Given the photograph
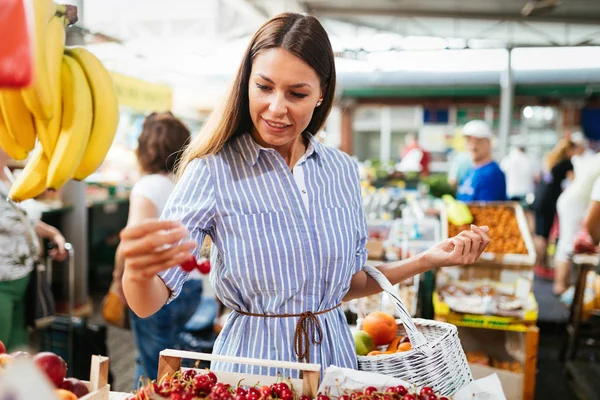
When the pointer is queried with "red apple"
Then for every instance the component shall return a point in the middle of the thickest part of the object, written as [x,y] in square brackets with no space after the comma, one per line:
[80,389]
[53,366]
[76,386]
[67,384]
[2,348]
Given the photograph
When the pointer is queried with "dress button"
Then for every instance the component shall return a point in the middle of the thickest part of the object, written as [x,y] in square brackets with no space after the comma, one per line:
[303,191]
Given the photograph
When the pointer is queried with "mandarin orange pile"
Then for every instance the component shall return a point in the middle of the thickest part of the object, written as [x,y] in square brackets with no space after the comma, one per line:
[504,229]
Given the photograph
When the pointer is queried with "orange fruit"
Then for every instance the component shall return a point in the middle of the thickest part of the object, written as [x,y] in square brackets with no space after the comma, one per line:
[5,359]
[63,394]
[381,327]
[406,346]
[393,346]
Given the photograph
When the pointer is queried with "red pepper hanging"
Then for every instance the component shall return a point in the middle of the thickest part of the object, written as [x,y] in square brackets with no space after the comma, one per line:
[16,69]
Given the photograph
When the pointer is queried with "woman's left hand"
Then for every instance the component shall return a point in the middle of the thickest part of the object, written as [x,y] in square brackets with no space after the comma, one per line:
[462,249]
[59,253]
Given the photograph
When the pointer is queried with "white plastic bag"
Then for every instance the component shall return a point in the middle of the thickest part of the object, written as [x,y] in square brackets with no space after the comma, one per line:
[338,380]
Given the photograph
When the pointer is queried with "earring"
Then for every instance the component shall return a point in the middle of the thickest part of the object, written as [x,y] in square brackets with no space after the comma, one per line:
[318,103]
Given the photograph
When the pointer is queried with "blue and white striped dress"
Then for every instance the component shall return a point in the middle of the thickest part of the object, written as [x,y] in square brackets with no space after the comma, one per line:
[272,254]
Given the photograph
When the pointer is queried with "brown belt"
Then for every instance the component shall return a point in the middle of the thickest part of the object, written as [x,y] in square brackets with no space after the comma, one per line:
[302,334]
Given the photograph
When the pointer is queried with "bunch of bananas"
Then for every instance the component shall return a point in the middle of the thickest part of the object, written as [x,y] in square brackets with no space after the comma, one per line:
[67,117]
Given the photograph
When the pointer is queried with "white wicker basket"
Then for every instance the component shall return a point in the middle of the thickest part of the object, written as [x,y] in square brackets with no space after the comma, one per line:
[436,360]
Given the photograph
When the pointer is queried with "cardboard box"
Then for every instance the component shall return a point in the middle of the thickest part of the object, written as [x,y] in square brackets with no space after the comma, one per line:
[500,346]
[512,383]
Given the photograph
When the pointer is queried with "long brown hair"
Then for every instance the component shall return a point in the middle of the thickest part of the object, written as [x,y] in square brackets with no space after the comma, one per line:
[300,34]
[559,152]
[161,143]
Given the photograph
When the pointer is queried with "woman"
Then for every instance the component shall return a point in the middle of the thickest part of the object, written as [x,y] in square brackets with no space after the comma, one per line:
[571,207]
[558,168]
[592,220]
[283,211]
[159,149]
[19,252]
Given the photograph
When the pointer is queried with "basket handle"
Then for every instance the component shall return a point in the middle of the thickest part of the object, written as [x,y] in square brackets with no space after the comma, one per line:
[417,339]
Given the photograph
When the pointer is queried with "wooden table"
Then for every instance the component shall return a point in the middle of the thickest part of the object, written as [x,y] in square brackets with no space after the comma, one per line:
[583,263]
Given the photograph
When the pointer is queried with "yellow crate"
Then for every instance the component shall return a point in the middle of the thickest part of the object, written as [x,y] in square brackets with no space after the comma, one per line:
[443,313]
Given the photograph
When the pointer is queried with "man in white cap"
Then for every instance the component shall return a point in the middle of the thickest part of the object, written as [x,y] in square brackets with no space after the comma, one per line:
[484,181]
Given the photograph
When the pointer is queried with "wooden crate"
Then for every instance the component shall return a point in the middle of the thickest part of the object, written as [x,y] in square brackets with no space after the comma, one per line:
[170,362]
[98,384]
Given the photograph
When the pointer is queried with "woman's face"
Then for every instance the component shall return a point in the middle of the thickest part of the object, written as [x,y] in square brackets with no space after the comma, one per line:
[283,93]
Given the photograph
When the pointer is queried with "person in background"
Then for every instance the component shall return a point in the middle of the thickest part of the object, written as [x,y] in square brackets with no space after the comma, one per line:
[520,174]
[581,151]
[592,220]
[484,181]
[160,145]
[413,157]
[20,250]
[460,160]
[557,169]
[459,166]
[571,206]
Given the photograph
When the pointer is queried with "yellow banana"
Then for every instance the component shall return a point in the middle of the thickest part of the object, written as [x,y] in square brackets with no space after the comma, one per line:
[106,111]
[9,144]
[48,131]
[17,118]
[38,96]
[76,124]
[32,181]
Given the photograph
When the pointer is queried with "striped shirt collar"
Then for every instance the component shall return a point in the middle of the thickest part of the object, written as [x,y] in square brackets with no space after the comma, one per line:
[250,150]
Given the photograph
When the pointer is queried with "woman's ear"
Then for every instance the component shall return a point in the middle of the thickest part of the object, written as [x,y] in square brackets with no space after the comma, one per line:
[320,100]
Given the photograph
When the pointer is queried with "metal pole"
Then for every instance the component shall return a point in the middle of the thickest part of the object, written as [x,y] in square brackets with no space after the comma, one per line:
[386,134]
[507,91]
[75,229]
[75,221]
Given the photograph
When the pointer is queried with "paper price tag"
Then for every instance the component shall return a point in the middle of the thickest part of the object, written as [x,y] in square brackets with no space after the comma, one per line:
[522,288]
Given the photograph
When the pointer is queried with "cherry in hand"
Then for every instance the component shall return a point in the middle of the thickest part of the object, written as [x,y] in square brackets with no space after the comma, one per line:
[204,267]
[191,264]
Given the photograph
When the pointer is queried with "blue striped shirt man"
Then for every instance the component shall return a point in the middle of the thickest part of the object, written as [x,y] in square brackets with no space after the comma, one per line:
[283,243]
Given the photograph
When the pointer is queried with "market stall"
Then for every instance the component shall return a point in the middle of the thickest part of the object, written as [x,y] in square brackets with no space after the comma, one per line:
[402,223]
[431,366]
[492,300]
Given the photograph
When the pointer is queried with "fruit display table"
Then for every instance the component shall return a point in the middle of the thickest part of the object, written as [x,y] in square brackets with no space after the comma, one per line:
[492,301]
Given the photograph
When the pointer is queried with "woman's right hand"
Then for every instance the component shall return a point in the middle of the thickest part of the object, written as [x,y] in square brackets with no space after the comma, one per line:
[153,246]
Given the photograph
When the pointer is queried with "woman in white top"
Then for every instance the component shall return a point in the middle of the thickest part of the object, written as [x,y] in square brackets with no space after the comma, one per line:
[159,147]
[592,220]
[571,206]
